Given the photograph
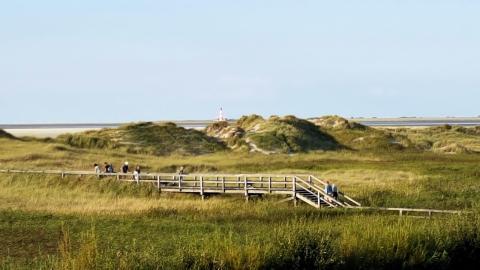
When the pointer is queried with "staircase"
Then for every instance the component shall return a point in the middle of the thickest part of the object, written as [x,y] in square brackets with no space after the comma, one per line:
[311,190]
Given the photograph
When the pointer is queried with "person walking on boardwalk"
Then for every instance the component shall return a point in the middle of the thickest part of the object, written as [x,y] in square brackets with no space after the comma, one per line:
[106,167]
[97,169]
[329,190]
[125,168]
[136,174]
[181,172]
[335,192]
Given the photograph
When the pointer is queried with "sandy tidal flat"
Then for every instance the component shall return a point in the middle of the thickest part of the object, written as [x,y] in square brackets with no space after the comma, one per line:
[45,132]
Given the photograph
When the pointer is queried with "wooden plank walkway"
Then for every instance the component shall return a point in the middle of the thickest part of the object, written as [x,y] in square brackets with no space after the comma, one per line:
[306,188]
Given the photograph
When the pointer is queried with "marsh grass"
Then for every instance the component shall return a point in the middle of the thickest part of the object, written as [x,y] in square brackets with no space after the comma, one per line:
[84,223]
[302,239]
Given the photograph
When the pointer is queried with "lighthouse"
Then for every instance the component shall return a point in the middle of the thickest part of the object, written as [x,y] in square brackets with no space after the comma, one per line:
[220,115]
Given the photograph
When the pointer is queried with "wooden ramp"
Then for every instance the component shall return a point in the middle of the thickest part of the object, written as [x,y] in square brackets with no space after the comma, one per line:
[306,188]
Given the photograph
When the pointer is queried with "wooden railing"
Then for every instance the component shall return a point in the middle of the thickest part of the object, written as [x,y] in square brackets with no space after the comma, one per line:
[318,182]
[247,184]
[320,193]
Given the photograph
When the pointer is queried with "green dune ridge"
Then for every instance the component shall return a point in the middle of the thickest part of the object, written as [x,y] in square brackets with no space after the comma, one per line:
[273,135]
[147,138]
[4,134]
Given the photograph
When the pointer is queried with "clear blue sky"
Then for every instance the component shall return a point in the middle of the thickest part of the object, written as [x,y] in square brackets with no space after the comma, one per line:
[109,61]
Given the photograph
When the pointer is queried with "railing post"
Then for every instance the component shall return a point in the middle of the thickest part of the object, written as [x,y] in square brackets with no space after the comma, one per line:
[285,180]
[245,185]
[294,190]
[201,187]
[269,184]
[238,181]
[318,199]
[118,177]
[223,184]
[63,175]
[180,183]
[158,183]
[261,181]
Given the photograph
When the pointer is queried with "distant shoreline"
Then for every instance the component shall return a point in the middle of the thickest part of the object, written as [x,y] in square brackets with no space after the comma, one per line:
[199,123]
[53,130]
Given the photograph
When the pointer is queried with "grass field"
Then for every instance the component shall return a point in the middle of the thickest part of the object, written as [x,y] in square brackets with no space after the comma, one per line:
[83,223]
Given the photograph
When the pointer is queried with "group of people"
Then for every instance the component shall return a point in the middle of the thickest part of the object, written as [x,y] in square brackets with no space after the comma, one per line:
[331,190]
[108,168]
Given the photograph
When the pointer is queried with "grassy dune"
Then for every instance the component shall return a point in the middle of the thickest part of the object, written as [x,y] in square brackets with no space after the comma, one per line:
[82,223]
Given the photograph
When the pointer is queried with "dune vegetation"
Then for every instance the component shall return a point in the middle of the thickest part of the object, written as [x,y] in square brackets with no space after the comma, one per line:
[4,134]
[146,138]
[47,222]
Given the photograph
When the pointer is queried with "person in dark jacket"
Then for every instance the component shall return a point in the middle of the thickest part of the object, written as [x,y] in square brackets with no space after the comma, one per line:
[124,168]
[107,167]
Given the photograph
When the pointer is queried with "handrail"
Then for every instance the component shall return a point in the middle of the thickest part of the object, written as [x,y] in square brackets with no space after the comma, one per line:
[418,210]
[147,173]
[316,195]
[320,191]
[349,198]
[341,193]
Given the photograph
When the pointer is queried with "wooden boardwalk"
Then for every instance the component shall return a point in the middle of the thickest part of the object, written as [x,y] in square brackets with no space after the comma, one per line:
[306,188]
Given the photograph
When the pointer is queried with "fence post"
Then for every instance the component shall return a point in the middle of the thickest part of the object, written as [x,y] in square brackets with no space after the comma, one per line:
[223,184]
[158,183]
[179,183]
[245,185]
[318,199]
[269,184]
[294,190]
[201,187]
